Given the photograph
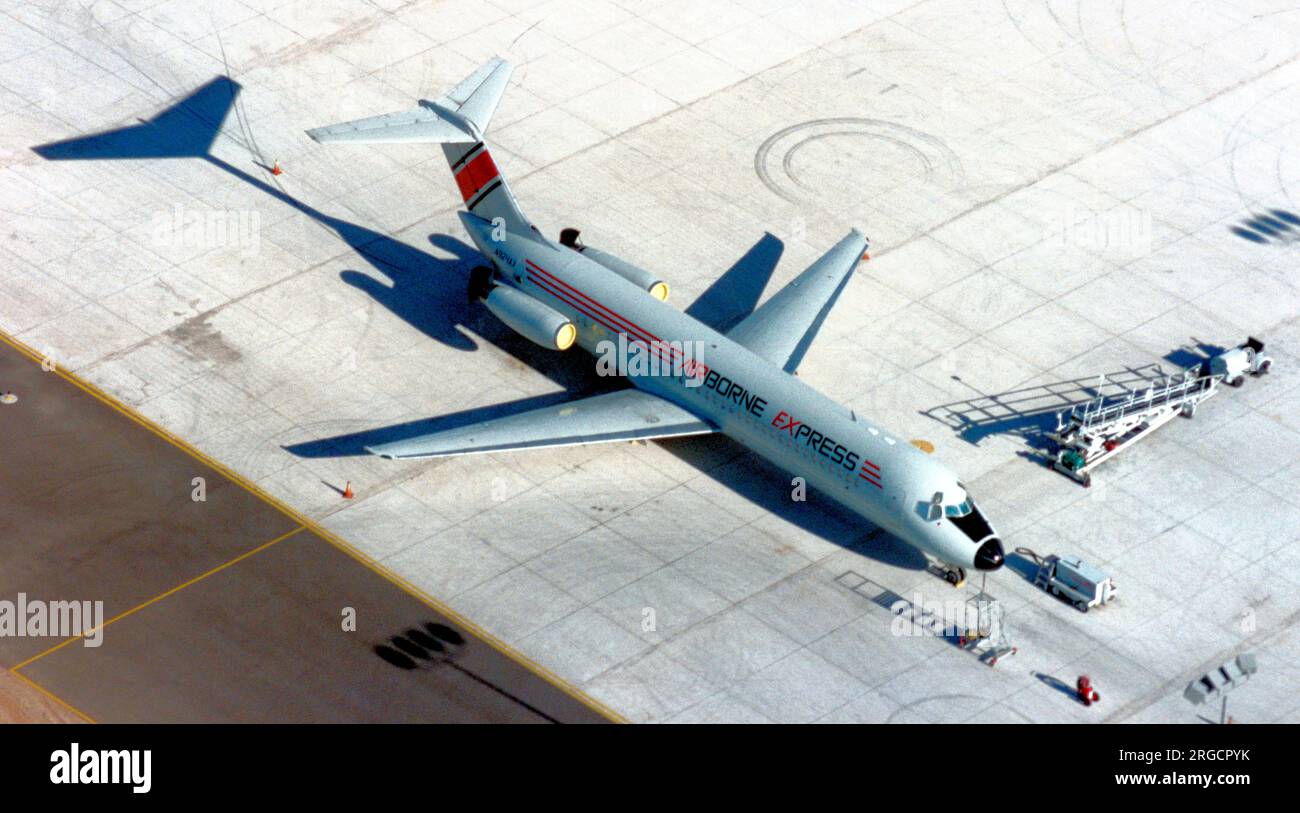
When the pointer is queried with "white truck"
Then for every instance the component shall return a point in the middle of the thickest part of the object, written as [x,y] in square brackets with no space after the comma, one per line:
[1078,582]
[1234,365]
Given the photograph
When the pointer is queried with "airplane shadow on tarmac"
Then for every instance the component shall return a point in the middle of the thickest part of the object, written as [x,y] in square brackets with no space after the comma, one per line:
[429,293]
[188,129]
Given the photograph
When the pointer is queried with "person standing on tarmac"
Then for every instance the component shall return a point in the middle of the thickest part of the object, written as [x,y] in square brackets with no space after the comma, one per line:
[1086,694]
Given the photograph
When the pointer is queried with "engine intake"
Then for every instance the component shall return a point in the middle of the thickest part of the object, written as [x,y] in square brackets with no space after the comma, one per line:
[535,321]
[636,275]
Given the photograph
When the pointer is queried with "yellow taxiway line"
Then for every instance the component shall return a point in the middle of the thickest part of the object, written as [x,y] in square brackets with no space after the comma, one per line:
[38,687]
[305,522]
[241,557]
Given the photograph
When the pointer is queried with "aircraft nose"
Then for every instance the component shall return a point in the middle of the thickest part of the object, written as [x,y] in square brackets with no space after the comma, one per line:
[990,556]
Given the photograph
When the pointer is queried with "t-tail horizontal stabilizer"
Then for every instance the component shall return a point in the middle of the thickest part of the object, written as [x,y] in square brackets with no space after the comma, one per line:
[461,116]
[185,129]
[614,416]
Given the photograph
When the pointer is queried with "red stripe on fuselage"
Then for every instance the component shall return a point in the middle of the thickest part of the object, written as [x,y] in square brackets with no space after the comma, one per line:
[572,301]
[593,309]
[628,325]
[621,324]
[869,480]
[657,347]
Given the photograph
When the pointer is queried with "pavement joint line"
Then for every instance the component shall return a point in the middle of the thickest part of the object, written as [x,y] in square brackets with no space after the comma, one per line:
[65,704]
[241,557]
[339,543]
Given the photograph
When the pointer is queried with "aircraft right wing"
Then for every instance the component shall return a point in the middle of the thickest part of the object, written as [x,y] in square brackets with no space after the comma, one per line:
[613,416]
[783,328]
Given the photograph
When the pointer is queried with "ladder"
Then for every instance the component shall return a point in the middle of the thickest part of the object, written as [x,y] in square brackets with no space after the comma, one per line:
[1092,433]
[1043,578]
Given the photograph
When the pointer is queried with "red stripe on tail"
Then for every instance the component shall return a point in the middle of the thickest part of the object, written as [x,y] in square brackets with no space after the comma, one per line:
[476,174]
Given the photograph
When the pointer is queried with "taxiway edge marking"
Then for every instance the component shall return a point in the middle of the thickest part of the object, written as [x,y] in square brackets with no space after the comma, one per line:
[241,557]
[38,687]
[433,603]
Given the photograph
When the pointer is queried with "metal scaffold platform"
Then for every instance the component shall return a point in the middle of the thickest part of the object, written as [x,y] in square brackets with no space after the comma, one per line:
[1090,434]
[987,639]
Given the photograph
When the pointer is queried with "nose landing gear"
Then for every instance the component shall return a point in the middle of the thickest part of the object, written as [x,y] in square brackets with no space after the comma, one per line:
[952,574]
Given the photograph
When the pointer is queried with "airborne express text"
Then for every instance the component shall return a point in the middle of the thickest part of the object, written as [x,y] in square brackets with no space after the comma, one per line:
[754,404]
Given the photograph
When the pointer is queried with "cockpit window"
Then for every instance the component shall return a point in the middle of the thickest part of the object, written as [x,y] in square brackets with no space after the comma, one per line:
[937,510]
[959,510]
[973,524]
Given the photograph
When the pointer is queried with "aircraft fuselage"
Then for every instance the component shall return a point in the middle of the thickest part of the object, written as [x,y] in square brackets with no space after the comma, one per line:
[846,456]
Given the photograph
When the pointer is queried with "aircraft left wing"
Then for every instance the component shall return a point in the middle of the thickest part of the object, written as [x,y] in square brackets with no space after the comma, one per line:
[613,416]
[783,328]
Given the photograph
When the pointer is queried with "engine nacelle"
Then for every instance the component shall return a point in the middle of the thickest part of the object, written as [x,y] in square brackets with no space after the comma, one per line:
[636,275]
[534,320]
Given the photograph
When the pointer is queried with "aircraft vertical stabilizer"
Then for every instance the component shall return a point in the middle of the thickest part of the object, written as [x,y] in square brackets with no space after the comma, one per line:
[457,121]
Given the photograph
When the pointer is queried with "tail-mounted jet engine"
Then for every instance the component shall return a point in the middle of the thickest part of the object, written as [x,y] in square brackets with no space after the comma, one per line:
[535,321]
[639,277]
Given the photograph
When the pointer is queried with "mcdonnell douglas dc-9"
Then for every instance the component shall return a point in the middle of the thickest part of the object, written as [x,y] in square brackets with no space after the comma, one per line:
[741,383]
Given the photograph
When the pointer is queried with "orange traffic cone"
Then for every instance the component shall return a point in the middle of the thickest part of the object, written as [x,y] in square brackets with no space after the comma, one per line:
[276,170]
[347,492]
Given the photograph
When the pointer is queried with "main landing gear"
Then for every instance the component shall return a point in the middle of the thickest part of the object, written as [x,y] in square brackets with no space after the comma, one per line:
[480,283]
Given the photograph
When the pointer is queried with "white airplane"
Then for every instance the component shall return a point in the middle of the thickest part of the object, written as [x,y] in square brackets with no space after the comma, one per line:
[688,378]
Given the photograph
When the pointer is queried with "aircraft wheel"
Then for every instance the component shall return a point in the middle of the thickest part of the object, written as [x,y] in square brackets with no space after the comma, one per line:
[1238,381]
